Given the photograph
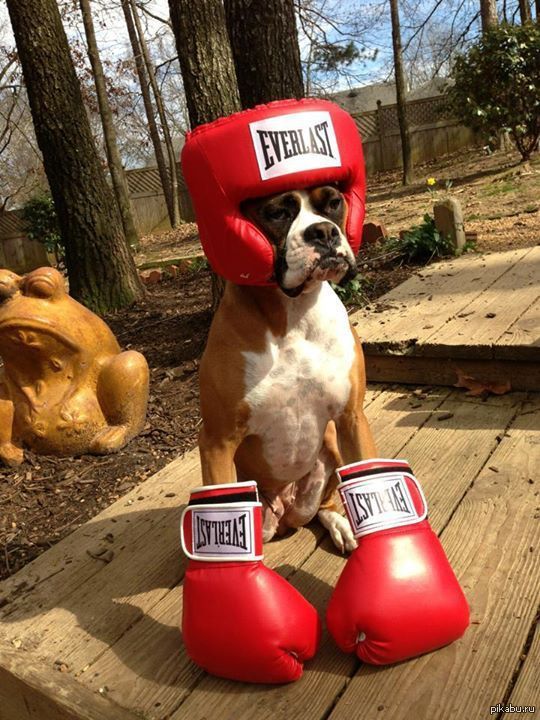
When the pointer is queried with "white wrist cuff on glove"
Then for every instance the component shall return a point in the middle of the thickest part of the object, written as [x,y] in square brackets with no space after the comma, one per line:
[380,498]
[223,523]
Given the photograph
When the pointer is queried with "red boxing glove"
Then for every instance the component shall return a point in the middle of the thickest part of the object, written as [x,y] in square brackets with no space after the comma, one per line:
[397,596]
[241,620]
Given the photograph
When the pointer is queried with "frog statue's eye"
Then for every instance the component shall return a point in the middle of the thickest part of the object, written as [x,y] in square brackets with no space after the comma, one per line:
[42,284]
[40,287]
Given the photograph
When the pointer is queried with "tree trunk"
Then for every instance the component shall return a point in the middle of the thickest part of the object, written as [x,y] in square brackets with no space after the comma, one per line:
[101,270]
[525,11]
[116,168]
[264,43]
[401,95]
[149,108]
[537,8]
[488,14]
[173,173]
[207,70]
[205,59]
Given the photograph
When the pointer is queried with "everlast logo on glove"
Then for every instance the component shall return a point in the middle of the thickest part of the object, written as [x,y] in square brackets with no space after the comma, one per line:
[222,532]
[380,503]
[290,143]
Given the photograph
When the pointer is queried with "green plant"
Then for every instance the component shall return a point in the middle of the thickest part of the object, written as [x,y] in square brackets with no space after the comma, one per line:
[470,246]
[352,293]
[41,222]
[198,263]
[422,242]
[496,85]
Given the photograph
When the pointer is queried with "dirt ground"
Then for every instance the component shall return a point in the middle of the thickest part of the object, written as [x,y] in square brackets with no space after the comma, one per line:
[46,498]
[499,196]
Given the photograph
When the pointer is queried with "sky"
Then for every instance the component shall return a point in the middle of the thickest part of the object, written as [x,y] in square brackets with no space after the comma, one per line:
[113,41]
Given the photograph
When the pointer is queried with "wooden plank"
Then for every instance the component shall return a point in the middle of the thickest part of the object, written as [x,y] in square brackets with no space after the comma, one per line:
[493,544]
[28,691]
[310,697]
[445,460]
[162,673]
[147,670]
[522,339]
[526,691]
[35,254]
[67,565]
[419,307]
[490,314]
[443,371]
[14,255]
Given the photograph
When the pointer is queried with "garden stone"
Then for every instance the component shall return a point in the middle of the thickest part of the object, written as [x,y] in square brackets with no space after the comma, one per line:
[449,220]
[374,232]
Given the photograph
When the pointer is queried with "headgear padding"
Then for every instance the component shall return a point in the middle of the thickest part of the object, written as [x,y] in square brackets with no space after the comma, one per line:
[285,145]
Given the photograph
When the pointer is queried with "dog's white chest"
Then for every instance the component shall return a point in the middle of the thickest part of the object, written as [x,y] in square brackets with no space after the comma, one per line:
[300,382]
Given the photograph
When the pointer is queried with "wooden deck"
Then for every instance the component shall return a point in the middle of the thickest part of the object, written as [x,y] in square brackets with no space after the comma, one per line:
[84,637]
[479,314]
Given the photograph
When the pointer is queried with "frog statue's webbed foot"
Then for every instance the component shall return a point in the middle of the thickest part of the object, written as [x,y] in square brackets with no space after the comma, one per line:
[122,392]
[10,452]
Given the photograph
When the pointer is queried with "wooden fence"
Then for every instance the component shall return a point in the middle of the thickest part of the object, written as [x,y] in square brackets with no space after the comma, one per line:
[148,200]
[20,254]
[433,131]
[17,252]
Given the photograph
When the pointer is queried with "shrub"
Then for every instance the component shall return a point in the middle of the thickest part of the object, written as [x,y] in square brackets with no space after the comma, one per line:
[422,242]
[496,85]
[41,222]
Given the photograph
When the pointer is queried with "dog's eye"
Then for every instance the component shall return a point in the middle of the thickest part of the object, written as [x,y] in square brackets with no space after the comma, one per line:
[334,203]
[276,213]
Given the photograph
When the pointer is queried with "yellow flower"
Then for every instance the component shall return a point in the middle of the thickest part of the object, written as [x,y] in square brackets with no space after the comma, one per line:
[431,181]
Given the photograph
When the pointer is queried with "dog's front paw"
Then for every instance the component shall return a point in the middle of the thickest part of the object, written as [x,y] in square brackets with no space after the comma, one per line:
[339,529]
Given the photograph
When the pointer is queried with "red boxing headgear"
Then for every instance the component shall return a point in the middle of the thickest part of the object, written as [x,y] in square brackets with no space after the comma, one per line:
[285,145]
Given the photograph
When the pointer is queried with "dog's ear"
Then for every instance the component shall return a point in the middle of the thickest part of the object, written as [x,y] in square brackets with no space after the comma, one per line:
[249,209]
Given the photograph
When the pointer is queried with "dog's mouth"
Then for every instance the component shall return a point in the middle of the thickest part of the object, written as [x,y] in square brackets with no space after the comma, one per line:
[339,269]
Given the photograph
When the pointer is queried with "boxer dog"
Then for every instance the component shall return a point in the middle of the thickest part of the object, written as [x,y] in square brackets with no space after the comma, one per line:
[282,379]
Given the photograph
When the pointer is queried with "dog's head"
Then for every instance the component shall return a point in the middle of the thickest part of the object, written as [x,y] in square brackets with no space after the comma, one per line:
[307,229]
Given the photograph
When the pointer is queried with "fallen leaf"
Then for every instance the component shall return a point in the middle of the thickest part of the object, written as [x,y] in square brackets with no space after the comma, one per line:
[479,388]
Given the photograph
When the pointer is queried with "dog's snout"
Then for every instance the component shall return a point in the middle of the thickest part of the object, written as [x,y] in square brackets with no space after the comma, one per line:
[323,234]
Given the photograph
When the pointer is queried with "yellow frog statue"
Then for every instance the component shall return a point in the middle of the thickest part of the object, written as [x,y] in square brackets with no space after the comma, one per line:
[66,388]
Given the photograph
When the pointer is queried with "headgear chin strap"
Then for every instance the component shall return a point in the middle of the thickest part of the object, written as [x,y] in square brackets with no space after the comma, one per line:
[285,145]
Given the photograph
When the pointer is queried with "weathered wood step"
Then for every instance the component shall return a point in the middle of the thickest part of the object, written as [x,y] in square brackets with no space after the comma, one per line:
[478,314]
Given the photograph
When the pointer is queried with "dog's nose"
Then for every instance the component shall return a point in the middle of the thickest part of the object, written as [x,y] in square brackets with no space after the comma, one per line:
[323,234]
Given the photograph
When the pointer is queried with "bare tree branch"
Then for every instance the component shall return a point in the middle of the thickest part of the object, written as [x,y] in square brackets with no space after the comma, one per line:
[146,11]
